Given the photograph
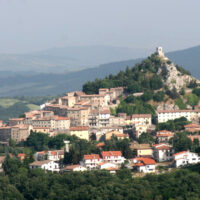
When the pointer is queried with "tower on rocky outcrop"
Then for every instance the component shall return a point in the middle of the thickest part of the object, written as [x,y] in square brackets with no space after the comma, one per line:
[159,52]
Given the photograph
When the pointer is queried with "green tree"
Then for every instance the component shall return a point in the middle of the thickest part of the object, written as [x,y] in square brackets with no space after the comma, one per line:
[146,138]
[181,142]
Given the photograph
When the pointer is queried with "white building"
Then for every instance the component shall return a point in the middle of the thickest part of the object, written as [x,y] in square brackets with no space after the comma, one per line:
[164,136]
[185,158]
[142,119]
[111,167]
[55,155]
[139,129]
[91,161]
[99,118]
[47,165]
[113,157]
[74,168]
[107,165]
[165,115]
[145,165]
[162,152]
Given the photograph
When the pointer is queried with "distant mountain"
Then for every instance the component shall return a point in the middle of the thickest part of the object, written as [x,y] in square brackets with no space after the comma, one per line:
[188,58]
[59,60]
[53,84]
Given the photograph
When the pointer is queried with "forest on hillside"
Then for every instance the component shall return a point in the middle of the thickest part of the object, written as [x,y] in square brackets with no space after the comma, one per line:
[21,183]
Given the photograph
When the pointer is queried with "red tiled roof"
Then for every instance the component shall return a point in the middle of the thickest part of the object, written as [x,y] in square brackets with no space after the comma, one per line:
[192,126]
[17,119]
[79,128]
[162,146]
[41,152]
[146,161]
[101,144]
[192,137]
[61,118]
[71,167]
[112,168]
[92,157]
[53,153]
[21,155]
[179,153]
[111,153]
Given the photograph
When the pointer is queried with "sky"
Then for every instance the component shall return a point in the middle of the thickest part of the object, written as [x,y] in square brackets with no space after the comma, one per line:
[34,25]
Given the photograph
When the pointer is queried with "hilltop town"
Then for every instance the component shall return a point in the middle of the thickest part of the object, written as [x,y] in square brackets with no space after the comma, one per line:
[137,125]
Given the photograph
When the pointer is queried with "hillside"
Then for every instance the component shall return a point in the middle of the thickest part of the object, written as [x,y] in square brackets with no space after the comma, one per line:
[188,58]
[160,83]
[66,59]
[31,84]
[14,107]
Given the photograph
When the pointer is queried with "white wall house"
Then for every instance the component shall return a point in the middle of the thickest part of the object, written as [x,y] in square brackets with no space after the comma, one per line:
[145,165]
[113,157]
[55,155]
[74,168]
[185,158]
[47,165]
[165,115]
[142,119]
[162,152]
[91,161]
[107,165]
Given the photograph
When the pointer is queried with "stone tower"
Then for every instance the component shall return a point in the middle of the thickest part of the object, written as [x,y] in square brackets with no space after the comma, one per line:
[66,145]
[159,52]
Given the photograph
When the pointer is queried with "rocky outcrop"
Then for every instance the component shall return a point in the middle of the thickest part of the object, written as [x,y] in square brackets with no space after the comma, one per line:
[172,77]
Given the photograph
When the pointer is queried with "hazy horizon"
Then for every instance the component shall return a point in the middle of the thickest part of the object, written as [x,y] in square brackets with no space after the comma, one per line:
[29,26]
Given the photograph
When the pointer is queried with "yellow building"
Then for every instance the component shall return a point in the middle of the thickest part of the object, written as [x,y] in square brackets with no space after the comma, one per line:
[142,150]
[81,132]
[117,134]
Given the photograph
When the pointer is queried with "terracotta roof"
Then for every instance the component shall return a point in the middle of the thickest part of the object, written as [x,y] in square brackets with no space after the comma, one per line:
[101,144]
[17,119]
[179,153]
[164,131]
[192,137]
[192,126]
[121,135]
[92,157]
[71,167]
[112,168]
[79,128]
[91,95]
[61,118]
[41,152]
[39,127]
[146,161]
[139,164]
[162,146]
[21,155]
[140,146]
[40,163]
[5,127]
[111,153]
[104,111]
[141,116]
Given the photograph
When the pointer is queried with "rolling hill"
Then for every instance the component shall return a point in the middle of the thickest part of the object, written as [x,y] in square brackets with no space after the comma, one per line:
[67,59]
[53,84]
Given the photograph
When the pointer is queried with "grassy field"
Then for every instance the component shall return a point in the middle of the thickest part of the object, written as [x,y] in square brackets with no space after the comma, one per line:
[7,102]
[12,107]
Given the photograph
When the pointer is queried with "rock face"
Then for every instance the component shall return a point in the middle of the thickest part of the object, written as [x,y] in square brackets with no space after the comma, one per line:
[171,76]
